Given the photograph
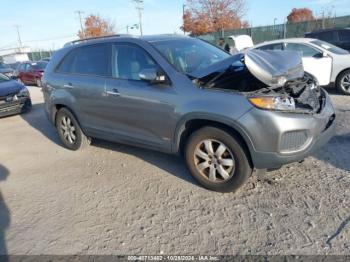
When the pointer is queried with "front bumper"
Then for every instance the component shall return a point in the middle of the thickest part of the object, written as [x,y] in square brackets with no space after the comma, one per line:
[19,106]
[268,131]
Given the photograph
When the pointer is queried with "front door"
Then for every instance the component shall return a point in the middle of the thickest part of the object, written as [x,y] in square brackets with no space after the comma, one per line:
[138,111]
[314,62]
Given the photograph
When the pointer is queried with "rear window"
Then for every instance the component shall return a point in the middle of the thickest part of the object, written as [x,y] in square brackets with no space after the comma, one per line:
[3,66]
[277,46]
[39,65]
[88,60]
[326,36]
[344,35]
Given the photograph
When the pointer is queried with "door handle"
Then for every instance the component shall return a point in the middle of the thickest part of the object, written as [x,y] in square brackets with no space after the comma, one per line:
[113,92]
[69,86]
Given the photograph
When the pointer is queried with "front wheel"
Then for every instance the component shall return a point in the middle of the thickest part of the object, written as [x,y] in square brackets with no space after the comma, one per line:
[217,160]
[343,82]
[69,130]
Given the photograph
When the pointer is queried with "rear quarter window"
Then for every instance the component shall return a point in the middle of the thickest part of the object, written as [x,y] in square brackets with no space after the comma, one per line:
[93,60]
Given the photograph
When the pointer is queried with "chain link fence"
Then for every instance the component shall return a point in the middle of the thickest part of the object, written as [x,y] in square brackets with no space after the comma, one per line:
[38,55]
[272,32]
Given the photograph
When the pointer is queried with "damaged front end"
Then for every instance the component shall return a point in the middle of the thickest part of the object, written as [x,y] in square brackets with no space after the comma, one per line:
[271,80]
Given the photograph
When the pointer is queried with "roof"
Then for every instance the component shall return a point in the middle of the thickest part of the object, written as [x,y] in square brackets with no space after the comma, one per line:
[149,38]
[293,40]
[327,30]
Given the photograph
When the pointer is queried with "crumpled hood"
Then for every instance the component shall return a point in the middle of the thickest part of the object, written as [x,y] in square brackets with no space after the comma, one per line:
[9,88]
[270,67]
[274,68]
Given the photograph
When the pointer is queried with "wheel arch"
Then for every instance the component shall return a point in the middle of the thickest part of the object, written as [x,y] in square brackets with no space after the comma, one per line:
[188,126]
[339,74]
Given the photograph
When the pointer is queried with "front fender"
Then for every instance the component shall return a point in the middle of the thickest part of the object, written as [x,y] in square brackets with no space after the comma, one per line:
[220,119]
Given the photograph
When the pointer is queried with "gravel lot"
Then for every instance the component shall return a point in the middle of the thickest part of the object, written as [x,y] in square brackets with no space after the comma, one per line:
[115,199]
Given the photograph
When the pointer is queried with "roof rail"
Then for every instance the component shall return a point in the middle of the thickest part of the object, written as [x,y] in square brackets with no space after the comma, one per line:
[98,37]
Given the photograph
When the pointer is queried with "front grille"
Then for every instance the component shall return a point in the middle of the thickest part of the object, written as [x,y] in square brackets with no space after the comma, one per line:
[293,141]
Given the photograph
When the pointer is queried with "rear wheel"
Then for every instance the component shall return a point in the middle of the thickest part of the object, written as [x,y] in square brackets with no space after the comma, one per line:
[343,82]
[217,160]
[69,130]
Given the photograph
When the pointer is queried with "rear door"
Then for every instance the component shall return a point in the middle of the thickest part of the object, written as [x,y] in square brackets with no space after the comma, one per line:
[81,76]
[314,62]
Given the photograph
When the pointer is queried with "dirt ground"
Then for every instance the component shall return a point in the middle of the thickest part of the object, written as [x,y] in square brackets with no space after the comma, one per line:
[115,199]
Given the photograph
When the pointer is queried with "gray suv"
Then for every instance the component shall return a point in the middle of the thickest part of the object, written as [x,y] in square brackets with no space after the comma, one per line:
[227,115]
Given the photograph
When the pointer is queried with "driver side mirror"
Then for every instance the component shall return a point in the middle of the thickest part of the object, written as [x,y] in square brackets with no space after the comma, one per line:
[152,76]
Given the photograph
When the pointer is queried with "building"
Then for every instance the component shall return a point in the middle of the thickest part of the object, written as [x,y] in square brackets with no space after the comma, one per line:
[13,55]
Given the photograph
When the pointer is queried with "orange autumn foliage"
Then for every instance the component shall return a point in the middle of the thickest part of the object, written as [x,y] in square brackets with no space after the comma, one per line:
[204,16]
[95,26]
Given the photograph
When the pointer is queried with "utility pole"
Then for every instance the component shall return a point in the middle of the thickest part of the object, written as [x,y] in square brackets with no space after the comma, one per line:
[139,7]
[183,17]
[81,23]
[19,36]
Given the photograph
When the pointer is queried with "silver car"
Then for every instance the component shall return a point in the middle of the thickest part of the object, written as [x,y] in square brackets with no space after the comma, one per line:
[227,115]
[328,63]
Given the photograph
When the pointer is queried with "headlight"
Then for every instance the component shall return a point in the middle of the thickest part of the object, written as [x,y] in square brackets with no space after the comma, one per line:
[23,92]
[273,103]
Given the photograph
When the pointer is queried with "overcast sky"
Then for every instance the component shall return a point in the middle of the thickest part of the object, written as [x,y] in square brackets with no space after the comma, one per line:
[49,24]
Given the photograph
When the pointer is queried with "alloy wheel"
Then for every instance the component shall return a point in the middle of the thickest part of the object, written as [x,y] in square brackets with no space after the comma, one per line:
[214,160]
[345,83]
[68,130]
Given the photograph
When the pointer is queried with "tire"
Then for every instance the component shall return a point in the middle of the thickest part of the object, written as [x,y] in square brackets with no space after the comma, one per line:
[343,82]
[38,82]
[74,139]
[228,175]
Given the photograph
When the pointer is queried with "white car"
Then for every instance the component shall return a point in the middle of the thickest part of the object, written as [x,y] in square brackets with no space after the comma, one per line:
[328,63]
[240,43]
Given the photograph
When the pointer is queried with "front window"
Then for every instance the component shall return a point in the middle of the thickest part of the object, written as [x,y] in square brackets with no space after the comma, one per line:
[4,78]
[329,47]
[304,50]
[189,55]
[129,61]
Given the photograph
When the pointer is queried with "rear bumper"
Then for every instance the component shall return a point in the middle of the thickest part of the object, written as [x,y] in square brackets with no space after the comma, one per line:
[16,107]
[281,138]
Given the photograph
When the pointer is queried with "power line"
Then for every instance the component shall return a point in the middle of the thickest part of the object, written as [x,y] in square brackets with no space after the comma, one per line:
[49,39]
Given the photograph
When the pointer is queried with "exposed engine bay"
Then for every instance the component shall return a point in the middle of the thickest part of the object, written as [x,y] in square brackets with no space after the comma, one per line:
[278,75]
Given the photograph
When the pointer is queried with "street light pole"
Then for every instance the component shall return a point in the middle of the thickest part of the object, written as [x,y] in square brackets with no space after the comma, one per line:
[139,7]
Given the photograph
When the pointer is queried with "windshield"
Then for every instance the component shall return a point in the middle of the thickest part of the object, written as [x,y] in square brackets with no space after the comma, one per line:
[4,78]
[329,47]
[39,66]
[190,54]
